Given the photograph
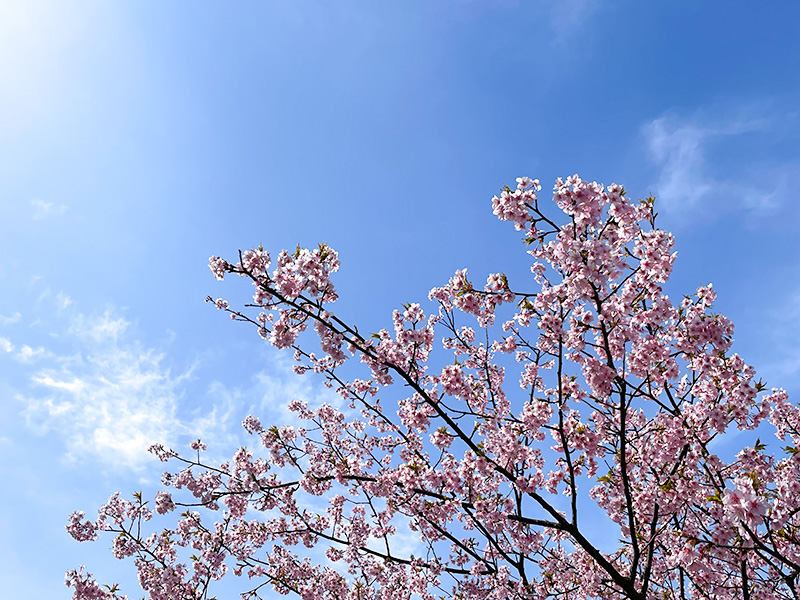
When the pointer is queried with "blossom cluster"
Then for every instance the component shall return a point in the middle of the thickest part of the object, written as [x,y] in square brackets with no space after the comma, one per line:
[591,386]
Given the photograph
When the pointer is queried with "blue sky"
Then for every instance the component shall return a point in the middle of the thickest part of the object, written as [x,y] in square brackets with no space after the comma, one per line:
[139,138]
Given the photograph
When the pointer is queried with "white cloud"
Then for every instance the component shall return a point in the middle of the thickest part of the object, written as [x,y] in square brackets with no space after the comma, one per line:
[43,210]
[6,345]
[110,399]
[27,354]
[274,392]
[678,148]
[108,396]
[97,329]
[266,396]
[100,392]
[60,300]
[9,320]
[780,316]
[707,160]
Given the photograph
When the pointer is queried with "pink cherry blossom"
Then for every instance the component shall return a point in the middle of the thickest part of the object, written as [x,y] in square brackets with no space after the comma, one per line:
[470,459]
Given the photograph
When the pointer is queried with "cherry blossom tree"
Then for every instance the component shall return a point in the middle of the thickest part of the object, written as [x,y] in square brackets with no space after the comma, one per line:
[585,392]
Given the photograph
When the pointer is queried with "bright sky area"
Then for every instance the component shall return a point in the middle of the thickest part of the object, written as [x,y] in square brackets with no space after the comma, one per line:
[139,138]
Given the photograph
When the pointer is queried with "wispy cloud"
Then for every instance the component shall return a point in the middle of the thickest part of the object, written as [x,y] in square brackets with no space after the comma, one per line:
[110,400]
[59,300]
[266,395]
[780,324]
[10,319]
[679,149]
[93,385]
[721,159]
[108,396]
[27,354]
[101,392]
[96,330]
[43,210]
